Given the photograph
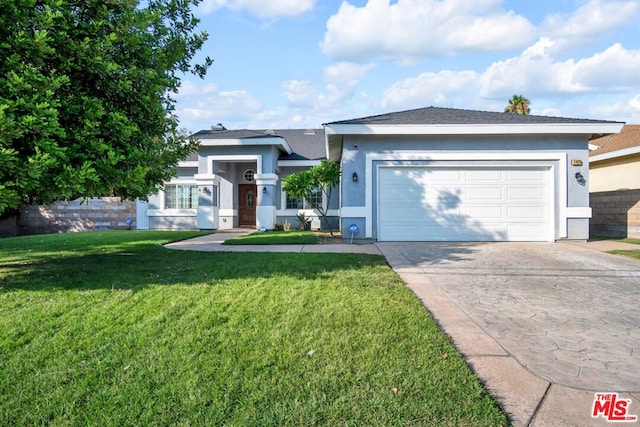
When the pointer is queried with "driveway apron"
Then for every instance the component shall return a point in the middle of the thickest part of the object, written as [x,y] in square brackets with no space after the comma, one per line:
[569,315]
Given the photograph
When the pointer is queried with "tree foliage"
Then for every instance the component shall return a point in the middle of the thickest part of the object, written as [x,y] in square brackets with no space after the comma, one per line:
[85,96]
[518,104]
[303,185]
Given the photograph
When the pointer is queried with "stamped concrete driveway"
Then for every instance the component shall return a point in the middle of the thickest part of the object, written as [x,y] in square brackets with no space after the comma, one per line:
[568,314]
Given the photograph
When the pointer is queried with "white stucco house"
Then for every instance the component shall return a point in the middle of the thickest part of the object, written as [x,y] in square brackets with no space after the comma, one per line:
[429,174]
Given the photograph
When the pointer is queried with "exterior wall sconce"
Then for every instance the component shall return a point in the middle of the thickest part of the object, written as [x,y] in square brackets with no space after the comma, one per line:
[580,178]
[264,190]
[354,177]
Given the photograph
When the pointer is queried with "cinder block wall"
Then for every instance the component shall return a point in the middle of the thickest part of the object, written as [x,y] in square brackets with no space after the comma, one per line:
[615,214]
[105,213]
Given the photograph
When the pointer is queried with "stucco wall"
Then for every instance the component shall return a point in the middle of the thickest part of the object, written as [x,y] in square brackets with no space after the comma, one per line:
[615,214]
[574,194]
[615,174]
[107,213]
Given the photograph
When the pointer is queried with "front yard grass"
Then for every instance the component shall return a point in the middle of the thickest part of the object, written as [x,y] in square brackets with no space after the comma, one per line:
[112,329]
[634,253]
[276,238]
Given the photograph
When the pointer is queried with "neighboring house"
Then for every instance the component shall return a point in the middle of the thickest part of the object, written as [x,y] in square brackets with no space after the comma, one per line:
[433,174]
[615,163]
[614,168]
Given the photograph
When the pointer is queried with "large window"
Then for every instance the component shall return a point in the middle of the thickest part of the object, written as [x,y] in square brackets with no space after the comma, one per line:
[293,203]
[180,196]
[314,200]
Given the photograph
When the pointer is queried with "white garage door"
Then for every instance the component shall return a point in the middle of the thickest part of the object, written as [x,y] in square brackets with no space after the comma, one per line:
[463,204]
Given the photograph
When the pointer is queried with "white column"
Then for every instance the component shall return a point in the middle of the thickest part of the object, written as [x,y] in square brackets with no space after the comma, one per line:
[266,209]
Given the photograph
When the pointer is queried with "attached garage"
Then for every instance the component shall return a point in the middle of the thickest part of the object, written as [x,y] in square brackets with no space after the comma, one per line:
[464,204]
[444,174]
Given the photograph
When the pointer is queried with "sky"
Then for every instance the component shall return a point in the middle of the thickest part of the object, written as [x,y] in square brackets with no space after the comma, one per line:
[281,64]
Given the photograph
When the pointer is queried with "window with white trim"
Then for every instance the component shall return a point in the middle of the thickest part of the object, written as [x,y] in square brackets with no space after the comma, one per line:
[315,199]
[294,203]
[249,175]
[180,196]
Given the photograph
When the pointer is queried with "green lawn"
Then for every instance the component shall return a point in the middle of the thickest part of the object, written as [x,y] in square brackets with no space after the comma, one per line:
[635,253]
[276,238]
[112,329]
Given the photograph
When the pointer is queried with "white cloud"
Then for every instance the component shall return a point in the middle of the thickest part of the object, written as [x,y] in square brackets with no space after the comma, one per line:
[219,107]
[591,20]
[430,89]
[300,93]
[410,29]
[626,110]
[189,89]
[614,69]
[537,70]
[261,8]
[342,78]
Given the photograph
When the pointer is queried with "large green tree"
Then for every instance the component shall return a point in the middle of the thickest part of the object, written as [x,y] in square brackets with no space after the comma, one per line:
[85,96]
[304,185]
[518,104]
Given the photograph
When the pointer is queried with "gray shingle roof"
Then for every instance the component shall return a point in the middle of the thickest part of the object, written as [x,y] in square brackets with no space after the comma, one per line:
[452,116]
[307,144]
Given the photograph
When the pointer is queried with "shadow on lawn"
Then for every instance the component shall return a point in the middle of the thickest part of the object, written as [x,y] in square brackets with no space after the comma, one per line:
[154,265]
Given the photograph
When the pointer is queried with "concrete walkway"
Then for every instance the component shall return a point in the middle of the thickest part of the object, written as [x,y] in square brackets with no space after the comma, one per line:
[213,243]
[544,326]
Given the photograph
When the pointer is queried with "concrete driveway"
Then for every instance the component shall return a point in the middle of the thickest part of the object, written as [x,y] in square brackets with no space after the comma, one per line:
[544,324]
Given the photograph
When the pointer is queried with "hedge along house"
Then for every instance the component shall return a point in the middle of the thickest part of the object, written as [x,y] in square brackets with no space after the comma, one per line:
[440,174]
[235,180]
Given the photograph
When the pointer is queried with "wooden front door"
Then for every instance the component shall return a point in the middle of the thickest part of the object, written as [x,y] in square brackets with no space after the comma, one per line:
[247,202]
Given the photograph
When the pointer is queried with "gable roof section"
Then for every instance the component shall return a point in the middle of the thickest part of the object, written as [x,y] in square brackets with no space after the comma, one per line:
[626,143]
[451,121]
[453,116]
[294,144]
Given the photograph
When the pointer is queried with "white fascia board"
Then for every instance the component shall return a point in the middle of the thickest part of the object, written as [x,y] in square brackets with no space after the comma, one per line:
[476,129]
[615,154]
[188,164]
[298,163]
[247,142]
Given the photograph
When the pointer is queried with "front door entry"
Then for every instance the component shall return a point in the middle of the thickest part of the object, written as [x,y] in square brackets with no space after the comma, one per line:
[247,202]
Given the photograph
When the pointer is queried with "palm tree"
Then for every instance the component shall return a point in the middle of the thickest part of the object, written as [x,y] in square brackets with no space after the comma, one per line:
[518,104]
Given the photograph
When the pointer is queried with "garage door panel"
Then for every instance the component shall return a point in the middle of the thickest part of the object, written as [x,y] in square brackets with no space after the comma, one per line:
[463,204]
[443,175]
[484,175]
[529,213]
[480,193]
[526,193]
[487,212]
[526,175]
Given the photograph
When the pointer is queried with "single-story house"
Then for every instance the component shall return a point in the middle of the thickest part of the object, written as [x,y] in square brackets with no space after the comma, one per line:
[614,185]
[432,174]
[235,180]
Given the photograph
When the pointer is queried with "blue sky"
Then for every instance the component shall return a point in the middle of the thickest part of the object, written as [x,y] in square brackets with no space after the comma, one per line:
[301,63]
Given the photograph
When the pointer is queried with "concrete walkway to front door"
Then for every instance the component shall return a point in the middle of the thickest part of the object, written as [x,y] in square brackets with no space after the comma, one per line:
[544,325]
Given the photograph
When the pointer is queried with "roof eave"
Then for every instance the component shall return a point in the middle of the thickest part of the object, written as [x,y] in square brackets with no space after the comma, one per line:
[474,129]
[253,141]
[615,154]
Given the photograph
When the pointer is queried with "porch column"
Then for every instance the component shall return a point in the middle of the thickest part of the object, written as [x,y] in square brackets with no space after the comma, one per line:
[266,209]
[208,206]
